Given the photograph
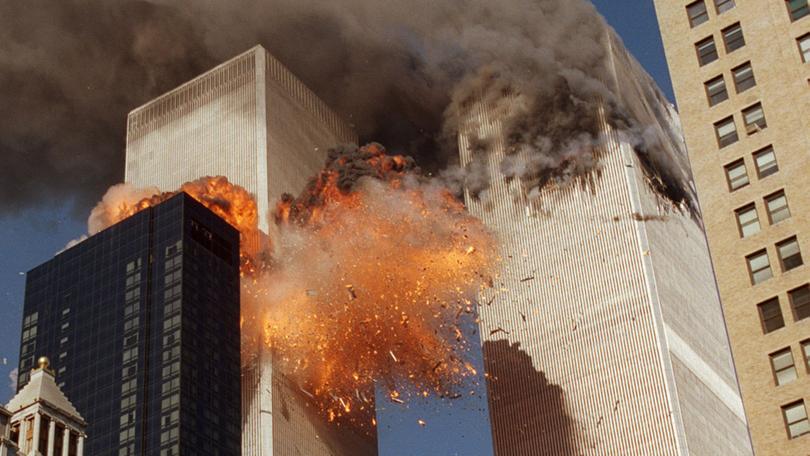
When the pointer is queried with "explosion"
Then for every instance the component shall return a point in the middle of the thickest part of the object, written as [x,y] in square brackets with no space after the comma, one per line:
[376,271]
[231,202]
[372,278]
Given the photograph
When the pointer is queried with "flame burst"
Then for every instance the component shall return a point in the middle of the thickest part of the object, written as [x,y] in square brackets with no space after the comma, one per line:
[231,202]
[372,279]
[372,274]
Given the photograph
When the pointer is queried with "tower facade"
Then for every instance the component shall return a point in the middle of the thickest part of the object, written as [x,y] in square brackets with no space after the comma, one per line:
[253,121]
[606,334]
[142,323]
[740,71]
[42,420]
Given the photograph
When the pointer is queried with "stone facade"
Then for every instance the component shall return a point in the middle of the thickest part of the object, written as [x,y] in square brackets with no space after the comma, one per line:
[772,48]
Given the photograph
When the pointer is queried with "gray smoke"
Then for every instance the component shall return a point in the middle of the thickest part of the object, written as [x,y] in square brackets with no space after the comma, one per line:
[401,72]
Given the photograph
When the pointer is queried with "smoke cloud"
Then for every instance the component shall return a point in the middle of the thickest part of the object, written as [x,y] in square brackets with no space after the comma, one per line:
[12,376]
[403,73]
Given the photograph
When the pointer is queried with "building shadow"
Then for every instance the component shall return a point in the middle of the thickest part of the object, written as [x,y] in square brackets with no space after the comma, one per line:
[528,413]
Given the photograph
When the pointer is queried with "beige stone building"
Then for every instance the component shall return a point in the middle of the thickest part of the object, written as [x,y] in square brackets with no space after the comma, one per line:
[741,71]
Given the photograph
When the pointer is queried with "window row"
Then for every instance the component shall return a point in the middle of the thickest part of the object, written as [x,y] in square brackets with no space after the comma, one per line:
[726,129]
[784,366]
[733,39]
[759,265]
[743,77]
[737,173]
[804,47]
[748,218]
[770,311]
[697,13]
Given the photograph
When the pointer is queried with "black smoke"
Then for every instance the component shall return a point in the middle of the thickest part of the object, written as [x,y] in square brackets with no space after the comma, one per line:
[400,72]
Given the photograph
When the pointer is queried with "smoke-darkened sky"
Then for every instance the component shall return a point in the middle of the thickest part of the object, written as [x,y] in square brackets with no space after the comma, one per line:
[71,70]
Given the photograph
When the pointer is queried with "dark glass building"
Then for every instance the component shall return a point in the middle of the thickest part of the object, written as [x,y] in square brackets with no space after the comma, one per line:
[141,322]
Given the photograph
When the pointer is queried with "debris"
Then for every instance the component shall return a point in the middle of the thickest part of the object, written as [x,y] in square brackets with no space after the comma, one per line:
[393,356]
[312,293]
[350,290]
[616,406]
[421,422]
[497,330]
[397,400]
[522,316]
[526,279]
[470,250]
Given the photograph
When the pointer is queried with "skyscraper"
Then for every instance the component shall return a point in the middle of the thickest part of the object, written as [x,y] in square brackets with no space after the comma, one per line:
[141,322]
[607,335]
[740,70]
[253,121]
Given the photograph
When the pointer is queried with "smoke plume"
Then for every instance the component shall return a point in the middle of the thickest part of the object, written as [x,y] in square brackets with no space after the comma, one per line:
[12,377]
[402,73]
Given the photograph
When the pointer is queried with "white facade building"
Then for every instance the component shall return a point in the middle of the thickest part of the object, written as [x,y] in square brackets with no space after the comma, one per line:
[606,335]
[253,121]
[43,421]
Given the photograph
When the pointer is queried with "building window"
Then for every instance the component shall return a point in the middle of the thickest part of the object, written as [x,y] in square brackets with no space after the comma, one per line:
[806,354]
[759,267]
[789,254]
[737,175]
[697,13]
[754,118]
[766,162]
[716,90]
[723,5]
[778,209]
[784,369]
[744,77]
[747,220]
[771,315]
[804,47]
[733,38]
[800,302]
[796,419]
[797,9]
[706,51]
[726,131]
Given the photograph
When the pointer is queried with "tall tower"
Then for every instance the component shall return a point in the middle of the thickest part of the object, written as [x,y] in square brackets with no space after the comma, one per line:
[253,121]
[607,336]
[142,323]
[740,70]
[42,420]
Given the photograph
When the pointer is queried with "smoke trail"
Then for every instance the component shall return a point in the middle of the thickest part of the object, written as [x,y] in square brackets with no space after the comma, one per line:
[402,73]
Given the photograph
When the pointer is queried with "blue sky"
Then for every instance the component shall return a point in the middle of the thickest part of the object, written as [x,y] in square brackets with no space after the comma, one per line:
[458,428]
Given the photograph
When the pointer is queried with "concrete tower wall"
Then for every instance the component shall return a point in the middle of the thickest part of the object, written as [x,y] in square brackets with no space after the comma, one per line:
[606,336]
[253,121]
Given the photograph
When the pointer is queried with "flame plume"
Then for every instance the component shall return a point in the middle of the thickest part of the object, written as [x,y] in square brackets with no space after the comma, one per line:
[230,202]
[375,271]
[372,275]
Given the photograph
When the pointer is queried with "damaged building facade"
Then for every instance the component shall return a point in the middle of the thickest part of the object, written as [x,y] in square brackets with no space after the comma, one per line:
[253,121]
[604,332]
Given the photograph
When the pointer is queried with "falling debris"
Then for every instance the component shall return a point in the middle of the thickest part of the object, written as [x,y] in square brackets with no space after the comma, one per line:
[522,316]
[526,279]
[421,422]
[352,294]
[498,330]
